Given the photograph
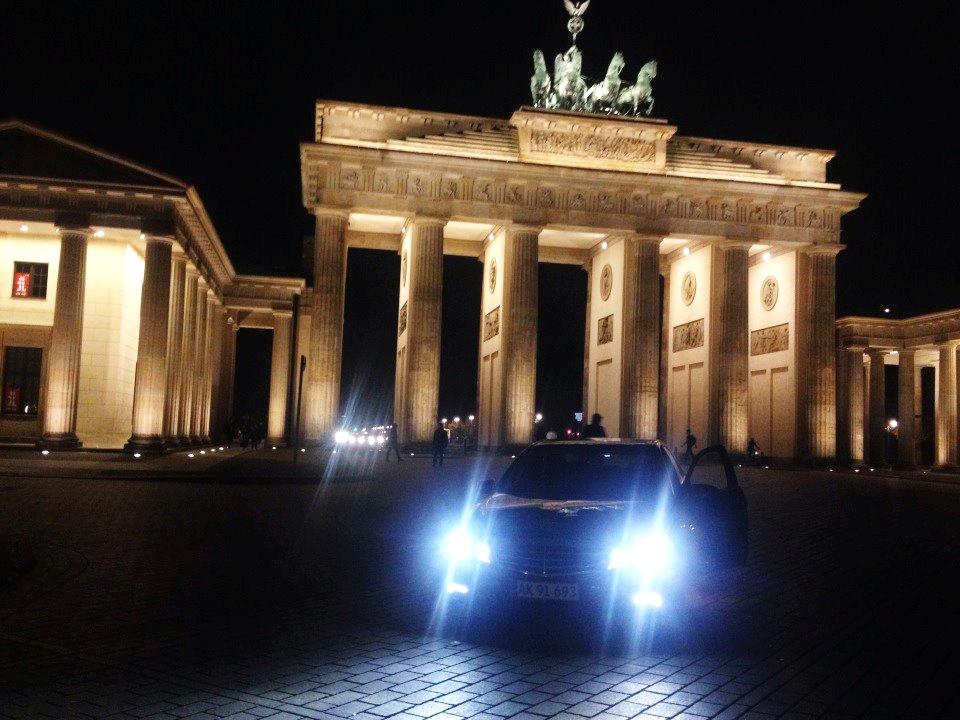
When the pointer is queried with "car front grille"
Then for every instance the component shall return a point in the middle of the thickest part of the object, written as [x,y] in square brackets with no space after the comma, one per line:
[546,560]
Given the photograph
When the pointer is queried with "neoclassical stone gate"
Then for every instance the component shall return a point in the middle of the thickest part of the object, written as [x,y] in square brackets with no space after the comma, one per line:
[711,268]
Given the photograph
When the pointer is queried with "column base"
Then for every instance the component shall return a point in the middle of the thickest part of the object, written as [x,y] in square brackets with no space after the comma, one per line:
[145,445]
[275,442]
[59,441]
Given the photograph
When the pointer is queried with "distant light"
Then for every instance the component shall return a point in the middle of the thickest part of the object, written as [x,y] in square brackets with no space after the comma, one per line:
[303,450]
[203,452]
[471,418]
[411,454]
[136,455]
[686,251]
[648,598]
[766,467]
[856,470]
[886,310]
[767,256]
[98,233]
[142,236]
[538,417]
[444,421]
[456,419]
[44,452]
[455,588]
[603,245]
[871,469]
[221,448]
[893,423]
[490,237]
[274,447]
[24,228]
[190,455]
[513,457]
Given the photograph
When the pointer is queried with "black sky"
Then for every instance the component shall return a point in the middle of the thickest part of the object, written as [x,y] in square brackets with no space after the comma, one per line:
[220,94]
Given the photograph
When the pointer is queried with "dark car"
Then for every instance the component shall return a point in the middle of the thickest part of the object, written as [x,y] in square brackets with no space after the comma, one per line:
[597,521]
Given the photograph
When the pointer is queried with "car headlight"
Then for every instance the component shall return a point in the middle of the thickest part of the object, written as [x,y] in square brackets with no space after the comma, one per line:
[460,545]
[651,553]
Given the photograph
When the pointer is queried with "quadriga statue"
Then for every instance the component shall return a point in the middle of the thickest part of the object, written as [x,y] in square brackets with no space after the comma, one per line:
[632,96]
[602,97]
[540,84]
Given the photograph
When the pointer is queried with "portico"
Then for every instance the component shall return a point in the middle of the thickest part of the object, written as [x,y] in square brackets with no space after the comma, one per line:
[866,346]
[119,326]
[710,267]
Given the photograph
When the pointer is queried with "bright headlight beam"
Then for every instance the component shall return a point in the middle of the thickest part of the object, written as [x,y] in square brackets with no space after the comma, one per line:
[459,546]
[649,553]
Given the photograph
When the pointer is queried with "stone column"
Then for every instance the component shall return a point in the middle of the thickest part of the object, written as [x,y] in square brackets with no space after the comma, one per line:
[907,442]
[588,266]
[878,418]
[150,382]
[946,420]
[520,333]
[641,335]
[63,364]
[174,349]
[322,402]
[216,420]
[663,407]
[855,416]
[199,360]
[227,367]
[206,396]
[187,347]
[424,310]
[729,346]
[279,379]
[816,352]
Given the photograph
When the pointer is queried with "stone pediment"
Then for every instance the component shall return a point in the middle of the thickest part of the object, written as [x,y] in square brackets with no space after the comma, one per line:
[28,152]
[601,142]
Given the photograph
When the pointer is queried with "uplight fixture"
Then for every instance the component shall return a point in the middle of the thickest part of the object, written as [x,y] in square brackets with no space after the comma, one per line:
[24,228]
[686,251]
[604,245]
[767,256]
[98,233]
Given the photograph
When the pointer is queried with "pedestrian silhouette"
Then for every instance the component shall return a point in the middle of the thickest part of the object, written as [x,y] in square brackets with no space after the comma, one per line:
[595,429]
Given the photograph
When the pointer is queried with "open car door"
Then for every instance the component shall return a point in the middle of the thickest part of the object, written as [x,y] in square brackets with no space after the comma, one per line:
[714,509]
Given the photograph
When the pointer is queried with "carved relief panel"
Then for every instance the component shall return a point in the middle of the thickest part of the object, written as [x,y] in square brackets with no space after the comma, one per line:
[688,336]
[770,339]
[491,324]
[605,330]
[402,321]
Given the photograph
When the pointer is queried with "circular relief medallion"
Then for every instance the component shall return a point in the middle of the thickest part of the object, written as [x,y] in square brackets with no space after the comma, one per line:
[769,292]
[403,269]
[606,281]
[688,288]
[492,276]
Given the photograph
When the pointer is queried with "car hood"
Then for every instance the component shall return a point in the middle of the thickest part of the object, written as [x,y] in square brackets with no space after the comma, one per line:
[525,520]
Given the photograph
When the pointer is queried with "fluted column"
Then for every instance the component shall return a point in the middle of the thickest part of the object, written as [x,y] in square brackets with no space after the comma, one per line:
[279,379]
[150,381]
[729,345]
[816,352]
[206,398]
[663,406]
[588,266]
[322,402]
[228,358]
[187,348]
[906,430]
[641,335]
[855,416]
[215,423]
[63,365]
[199,363]
[878,416]
[520,333]
[171,411]
[946,420]
[424,314]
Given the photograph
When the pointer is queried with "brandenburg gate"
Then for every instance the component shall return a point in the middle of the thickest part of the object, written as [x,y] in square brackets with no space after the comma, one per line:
[710,266]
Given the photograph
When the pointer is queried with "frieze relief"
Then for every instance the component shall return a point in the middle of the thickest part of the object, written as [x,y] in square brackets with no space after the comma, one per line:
[402,321]
[770,339]
[624,149]
[618,200]
[688,336]
[491,324]
[605,330]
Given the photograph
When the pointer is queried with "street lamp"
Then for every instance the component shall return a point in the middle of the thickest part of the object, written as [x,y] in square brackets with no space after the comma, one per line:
[538,417]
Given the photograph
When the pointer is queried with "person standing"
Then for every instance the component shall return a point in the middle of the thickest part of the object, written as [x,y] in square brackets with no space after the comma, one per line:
[393,442]
[595,429]
[753,451]
[690,442]
[440,440]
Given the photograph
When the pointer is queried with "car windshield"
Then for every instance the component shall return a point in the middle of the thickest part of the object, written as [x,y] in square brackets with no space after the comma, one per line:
[588,472]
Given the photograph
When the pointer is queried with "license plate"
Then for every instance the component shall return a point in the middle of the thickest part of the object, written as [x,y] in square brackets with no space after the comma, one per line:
[547,590]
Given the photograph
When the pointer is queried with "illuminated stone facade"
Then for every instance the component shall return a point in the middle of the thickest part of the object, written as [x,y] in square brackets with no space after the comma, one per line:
[118,304]
[714,242]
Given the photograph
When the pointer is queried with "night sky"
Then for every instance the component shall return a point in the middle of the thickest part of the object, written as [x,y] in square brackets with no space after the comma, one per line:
[221,94]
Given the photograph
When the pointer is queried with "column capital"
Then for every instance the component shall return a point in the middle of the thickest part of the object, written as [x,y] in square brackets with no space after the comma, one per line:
[822,249]
[164,239]
[949,344]
[73,222]
[732,244]
[515,228]
[874,352]
[427,220]
[330,211]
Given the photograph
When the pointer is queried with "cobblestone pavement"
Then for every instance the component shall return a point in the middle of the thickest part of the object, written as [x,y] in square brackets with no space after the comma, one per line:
[242,597]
